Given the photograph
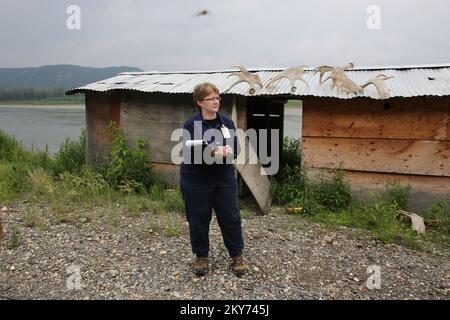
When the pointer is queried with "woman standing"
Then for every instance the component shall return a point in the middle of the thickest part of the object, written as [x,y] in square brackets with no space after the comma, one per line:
[208,181]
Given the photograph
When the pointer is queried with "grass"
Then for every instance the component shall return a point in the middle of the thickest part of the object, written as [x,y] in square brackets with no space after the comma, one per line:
[380,218]
[173,226]
[246,213]
[173,200]
[62,189]
[135,204]
[248,206]
[153,225]
[12,183]
[14,240]
[58,190]
[328,200]
[31,218]
[438,216]
[157,192]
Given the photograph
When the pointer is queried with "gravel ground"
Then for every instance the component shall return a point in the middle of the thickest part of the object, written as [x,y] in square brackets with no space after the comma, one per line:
[288,257]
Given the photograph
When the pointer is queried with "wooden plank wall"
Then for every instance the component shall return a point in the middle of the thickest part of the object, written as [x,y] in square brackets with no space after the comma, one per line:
[101,109]
[399,139]
[380,155]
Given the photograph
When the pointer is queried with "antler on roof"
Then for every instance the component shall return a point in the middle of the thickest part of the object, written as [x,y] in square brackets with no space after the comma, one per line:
[339,78]
[378,82]
[292,74]
[245,76]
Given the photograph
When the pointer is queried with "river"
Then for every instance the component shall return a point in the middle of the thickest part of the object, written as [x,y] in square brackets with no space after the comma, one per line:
[42,126]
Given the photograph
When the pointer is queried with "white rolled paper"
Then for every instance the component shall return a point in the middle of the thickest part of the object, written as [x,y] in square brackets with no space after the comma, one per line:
[195,143]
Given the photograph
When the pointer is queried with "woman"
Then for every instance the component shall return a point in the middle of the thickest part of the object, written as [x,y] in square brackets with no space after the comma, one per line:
[208,181]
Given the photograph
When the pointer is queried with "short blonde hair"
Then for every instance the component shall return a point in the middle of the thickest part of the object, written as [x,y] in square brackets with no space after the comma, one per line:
[203,90]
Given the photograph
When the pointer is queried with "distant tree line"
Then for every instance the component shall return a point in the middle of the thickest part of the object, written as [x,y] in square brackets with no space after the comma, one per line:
[14,94]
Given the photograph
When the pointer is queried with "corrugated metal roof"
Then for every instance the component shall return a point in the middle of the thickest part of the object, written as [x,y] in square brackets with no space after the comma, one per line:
[408,81]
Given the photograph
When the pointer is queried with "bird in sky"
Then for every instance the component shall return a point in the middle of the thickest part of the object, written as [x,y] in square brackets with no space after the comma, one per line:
[202,13]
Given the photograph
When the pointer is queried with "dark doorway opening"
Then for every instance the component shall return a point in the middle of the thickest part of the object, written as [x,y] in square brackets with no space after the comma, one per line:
[266,113]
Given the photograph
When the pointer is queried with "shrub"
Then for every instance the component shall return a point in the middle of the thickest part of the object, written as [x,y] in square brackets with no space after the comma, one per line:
[383,219]
[40,159]
[295,189]
[291,183]
[10,148]
[127,166]
[438,216]
[398,194]
[11,151]
[291,155]
[71,156]
[12,181]
[333,193]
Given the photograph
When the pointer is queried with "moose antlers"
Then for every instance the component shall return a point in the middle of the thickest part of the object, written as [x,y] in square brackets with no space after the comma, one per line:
[340,80]
[245,76]
[338,77]
[378,82]
[292,74]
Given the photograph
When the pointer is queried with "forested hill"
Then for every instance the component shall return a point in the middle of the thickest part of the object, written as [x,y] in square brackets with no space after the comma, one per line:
[57,76]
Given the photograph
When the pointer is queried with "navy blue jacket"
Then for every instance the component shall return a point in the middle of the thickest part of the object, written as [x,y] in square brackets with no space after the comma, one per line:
[204,170]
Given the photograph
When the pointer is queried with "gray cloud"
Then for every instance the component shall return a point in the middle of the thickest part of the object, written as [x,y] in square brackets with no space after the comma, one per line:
[167,35]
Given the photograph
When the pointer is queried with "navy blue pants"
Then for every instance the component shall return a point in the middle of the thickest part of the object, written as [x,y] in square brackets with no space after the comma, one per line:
[200,197]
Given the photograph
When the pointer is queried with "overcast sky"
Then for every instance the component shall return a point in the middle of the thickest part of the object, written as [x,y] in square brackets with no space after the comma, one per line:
[168,35]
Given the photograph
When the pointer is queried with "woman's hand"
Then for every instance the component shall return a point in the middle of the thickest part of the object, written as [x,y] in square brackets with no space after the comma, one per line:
[222,151]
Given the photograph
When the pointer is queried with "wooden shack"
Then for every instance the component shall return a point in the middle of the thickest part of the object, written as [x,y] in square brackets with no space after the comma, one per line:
[405,138]
[152,117]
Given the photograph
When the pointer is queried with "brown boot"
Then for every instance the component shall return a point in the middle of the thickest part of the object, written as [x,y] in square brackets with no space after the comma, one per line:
[201,266]
[238,265]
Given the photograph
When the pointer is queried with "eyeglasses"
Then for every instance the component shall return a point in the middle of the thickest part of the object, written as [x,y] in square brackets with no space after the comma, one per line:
[212,99]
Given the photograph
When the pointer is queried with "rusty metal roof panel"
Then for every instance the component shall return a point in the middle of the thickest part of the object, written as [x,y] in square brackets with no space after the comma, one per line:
[408,81]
